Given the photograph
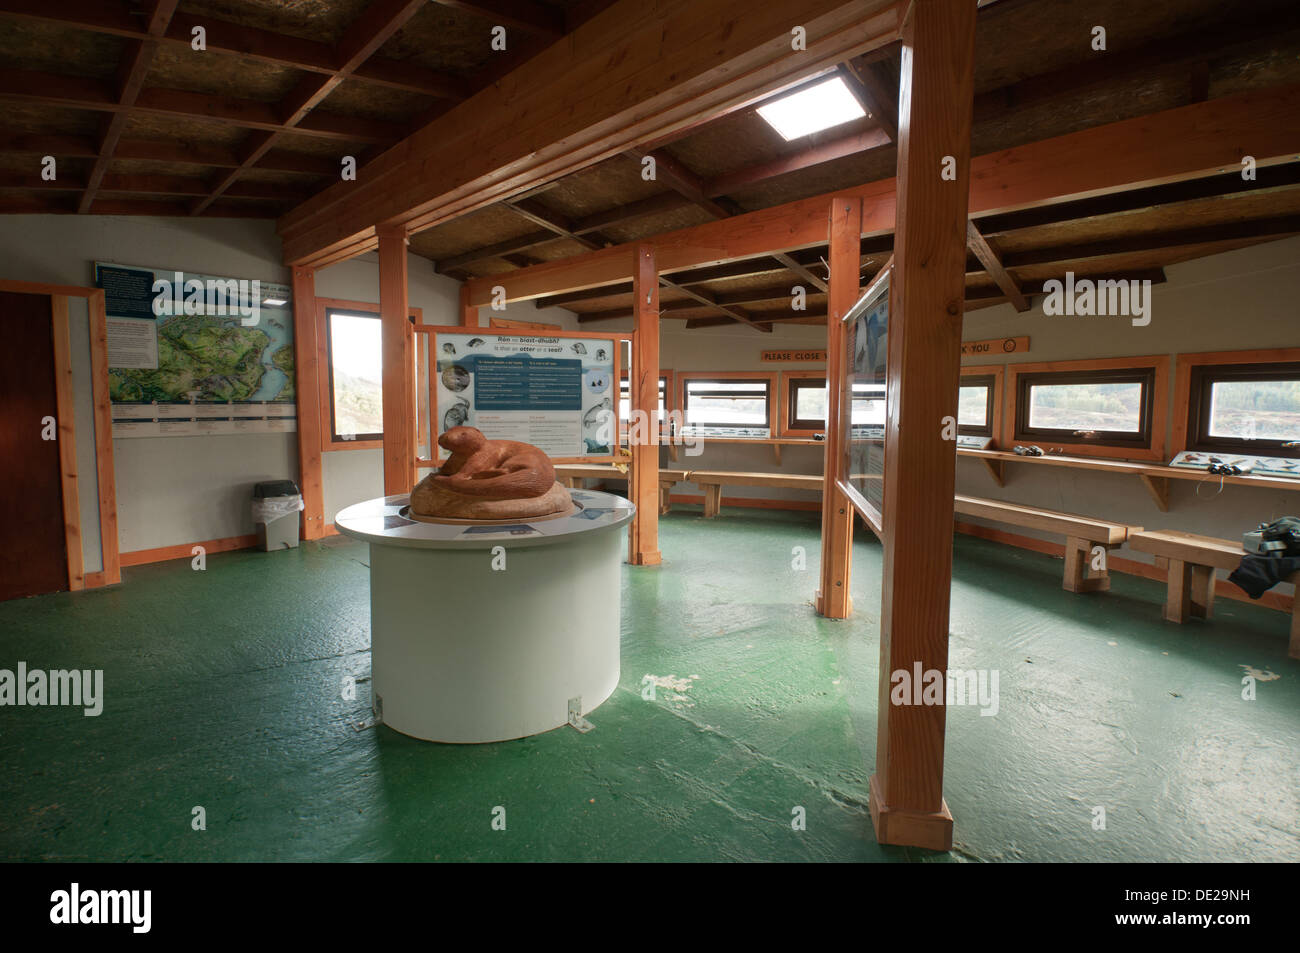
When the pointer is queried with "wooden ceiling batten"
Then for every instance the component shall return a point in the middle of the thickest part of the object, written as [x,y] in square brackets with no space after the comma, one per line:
[980,247]
[132,73]
[368,33]
[532,127]
[1185,143]
[237,39]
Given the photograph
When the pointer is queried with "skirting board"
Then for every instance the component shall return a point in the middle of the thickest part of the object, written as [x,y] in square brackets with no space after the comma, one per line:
[141,557]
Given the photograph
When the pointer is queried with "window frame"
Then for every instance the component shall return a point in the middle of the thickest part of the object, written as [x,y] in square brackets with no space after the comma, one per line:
[791,382]
[669,397]
[1152,370]
[992,379]
[1202,377]
[325,376]
[757,377]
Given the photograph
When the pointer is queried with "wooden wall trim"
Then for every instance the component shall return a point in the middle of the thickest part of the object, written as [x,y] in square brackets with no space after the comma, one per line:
[1183,381]
[141,557]
[65,412]
[97,327]
[105,470]
[307,365]
[1159,404]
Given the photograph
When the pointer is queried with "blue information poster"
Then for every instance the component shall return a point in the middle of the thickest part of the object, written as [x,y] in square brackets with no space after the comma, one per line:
[555,393]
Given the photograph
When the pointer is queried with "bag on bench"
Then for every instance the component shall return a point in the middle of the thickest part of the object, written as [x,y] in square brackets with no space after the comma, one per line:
[1272,555]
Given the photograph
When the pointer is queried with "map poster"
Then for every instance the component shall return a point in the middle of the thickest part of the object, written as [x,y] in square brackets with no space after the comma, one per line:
[193,354]
[552,392]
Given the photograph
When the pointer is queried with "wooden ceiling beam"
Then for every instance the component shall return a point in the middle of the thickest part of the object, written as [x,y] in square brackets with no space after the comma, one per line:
[1172,241]
[221,36]
[682,180]
[534,18]
[854,144]
[1189,142]
[132,71]
[371,30]
[542,121]
[880,102]
[982,250]
[1184,49]
[54,89]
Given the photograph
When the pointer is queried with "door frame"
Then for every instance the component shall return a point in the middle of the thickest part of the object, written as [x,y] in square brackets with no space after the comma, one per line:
[111,573]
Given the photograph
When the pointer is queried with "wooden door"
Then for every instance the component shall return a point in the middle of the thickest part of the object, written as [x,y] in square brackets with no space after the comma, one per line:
[33,555]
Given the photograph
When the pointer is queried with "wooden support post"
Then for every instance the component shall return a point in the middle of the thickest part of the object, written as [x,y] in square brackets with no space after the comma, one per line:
[1202,591]
[643,481]
[1178,593]
[837,515]
[310,413]
[1079,574]
[399,375]
[926,296]
[468,312]
[104,468]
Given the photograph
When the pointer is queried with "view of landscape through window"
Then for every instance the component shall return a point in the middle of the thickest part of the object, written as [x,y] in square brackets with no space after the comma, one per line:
[972,405]
[744,403]
[357,373]
[1112,406]
[1262,410]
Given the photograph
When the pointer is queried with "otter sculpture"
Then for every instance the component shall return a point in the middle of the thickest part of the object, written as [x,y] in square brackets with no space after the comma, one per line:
[490,480]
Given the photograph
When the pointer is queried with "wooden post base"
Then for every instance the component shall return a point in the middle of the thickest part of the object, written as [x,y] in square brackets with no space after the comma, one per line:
[932,831]
[647,559]
[1078,576]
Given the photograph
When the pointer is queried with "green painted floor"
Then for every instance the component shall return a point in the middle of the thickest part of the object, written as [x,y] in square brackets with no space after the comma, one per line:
[223,689]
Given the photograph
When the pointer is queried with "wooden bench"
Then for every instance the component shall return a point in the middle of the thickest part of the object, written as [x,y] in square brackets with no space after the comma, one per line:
[1082,534]
[570,473]
[712,482]
[1191,561]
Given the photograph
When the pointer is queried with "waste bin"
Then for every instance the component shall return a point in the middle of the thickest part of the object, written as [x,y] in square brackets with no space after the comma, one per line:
[276,504]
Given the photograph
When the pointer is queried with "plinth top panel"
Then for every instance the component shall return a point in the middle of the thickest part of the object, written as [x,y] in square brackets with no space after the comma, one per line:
[385,521]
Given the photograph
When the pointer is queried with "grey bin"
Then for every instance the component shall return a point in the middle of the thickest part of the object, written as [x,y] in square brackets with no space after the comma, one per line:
[276,504]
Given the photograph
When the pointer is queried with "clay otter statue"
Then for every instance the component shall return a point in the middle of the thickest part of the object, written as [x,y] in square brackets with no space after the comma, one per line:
[490,480]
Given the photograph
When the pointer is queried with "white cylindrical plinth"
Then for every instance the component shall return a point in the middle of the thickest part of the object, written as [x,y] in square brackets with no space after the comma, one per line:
[474,643]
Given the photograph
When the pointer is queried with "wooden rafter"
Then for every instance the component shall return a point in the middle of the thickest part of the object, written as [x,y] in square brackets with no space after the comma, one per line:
[534,18]
[982,250]
[366,35]
[134,68]
[880,102]
[114,18]
[1185,143]
[542,123]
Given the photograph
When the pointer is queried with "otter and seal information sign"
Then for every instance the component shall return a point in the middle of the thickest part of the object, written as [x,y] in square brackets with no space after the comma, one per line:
[555,393]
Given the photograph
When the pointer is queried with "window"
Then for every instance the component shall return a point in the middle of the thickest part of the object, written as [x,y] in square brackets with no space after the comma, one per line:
[356,375]
[740,404]
[807,404]
[975,405]
[1110,407]
[812,109]
[1245,408]
[868,405]
[625,399]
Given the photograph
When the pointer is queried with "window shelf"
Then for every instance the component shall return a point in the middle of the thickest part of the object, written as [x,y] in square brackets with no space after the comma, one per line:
[1155,477]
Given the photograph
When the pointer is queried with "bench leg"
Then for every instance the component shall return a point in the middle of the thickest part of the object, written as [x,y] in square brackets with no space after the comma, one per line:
[1078,577]
[1178,592]
[712,499]
[1202,592]
[665,502]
